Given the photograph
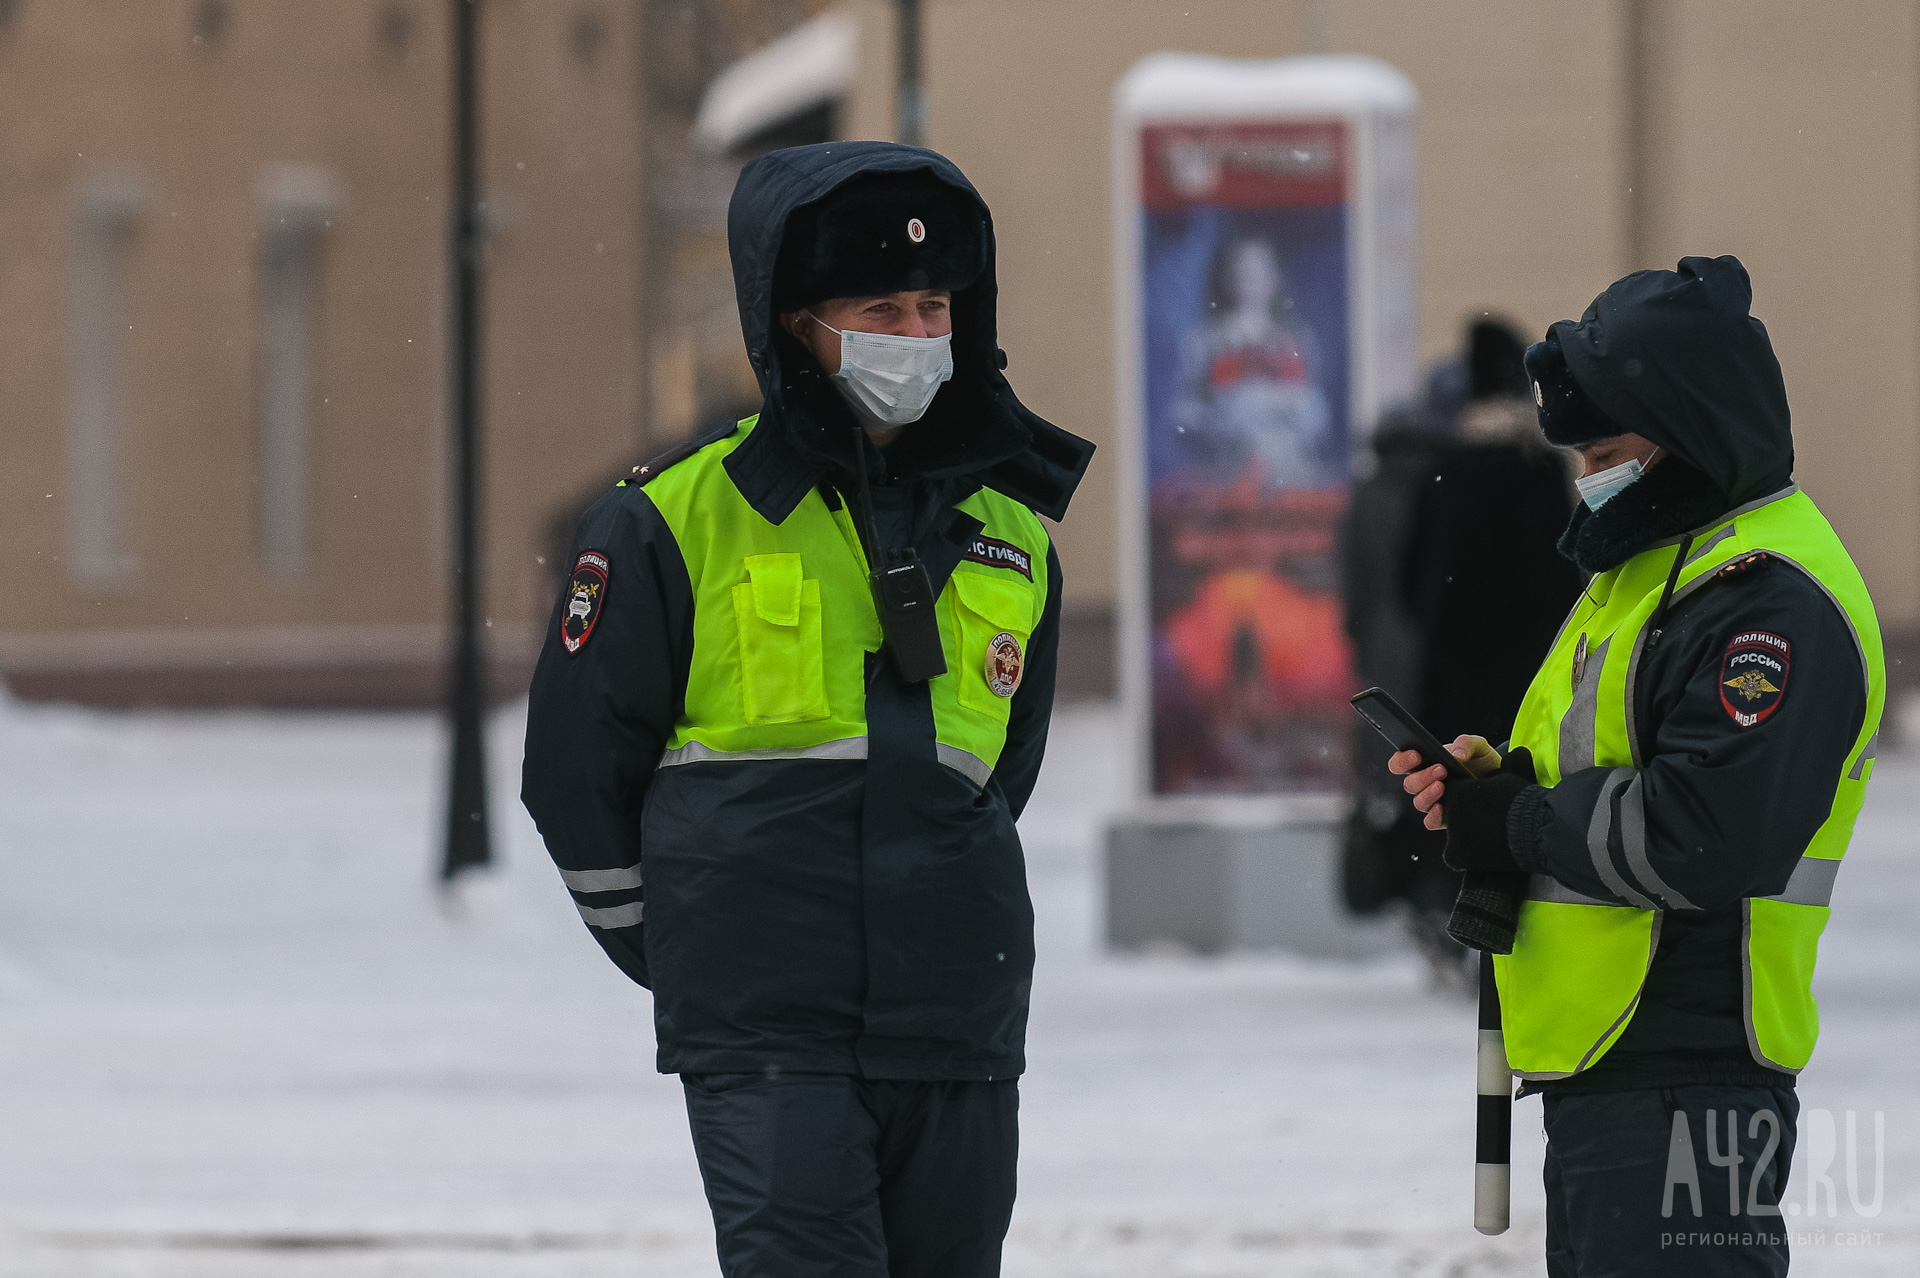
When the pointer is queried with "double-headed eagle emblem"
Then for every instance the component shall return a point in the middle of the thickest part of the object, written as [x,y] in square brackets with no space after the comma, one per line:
[1752,685]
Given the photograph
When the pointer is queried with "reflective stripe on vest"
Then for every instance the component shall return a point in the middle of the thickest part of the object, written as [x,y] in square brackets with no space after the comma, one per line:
[784,623]
[971,766]
[1572,983]
[701,752]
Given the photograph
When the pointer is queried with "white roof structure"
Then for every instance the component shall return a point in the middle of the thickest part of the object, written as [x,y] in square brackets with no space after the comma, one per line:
[1200,85]
[808,66]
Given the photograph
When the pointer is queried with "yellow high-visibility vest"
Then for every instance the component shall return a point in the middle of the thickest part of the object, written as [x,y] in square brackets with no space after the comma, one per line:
[784,620]
[1578,964]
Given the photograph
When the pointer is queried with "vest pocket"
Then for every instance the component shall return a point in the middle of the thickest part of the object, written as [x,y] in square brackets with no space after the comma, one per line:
[986,613]
[1783,1019]
[777,610]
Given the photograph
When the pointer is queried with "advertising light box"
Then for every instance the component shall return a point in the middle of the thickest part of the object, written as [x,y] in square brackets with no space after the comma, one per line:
[1265,259]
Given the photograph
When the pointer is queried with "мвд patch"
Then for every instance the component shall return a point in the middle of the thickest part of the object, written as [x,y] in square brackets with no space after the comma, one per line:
[1753,676]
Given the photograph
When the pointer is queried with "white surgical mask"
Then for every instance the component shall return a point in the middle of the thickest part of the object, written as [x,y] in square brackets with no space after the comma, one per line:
[890,380]
[1599,488]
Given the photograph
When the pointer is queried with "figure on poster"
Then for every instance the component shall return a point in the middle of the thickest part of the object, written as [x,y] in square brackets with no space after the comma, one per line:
[1265,659]
[1250,403]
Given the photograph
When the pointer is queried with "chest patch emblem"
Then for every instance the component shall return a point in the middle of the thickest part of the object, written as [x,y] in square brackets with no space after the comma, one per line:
[1004,664]
[995,553]
[586,597]
[1753,676]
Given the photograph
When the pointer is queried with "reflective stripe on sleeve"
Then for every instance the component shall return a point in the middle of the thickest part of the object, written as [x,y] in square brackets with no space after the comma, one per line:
[1544,887]
[967,764]
[701,752]
[1633,838]
[602,880]
[628,915]
[1812,882]
[1599,831]
[1867,756]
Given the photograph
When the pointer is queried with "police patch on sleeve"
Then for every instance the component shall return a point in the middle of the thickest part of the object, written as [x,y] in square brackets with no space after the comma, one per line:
[586,596]
[1753,676]
[1005,664]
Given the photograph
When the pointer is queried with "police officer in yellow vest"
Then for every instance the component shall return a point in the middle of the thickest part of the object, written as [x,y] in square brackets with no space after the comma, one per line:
[1652,857]
[794,696]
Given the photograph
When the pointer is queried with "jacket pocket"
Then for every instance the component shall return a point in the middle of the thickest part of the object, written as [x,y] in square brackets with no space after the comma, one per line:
[777,610]
[992,619]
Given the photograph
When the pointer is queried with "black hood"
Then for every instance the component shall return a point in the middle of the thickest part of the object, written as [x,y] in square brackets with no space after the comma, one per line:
[976,430]
[1676,357]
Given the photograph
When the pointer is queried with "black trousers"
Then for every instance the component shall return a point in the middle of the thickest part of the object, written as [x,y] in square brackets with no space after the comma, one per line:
[828,1176]
[1633,1192]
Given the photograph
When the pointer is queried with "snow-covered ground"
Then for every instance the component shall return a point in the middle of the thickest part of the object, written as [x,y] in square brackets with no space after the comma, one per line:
[237,1037]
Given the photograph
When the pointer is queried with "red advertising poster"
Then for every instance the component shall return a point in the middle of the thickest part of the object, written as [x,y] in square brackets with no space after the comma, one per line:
[1247,420]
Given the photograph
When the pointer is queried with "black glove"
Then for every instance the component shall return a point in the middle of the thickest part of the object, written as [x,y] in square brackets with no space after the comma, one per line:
[1477,817]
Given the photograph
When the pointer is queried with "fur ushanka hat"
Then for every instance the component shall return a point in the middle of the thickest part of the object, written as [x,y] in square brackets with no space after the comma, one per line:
[886,232]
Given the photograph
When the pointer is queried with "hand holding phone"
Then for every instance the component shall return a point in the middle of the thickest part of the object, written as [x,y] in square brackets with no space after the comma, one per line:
[1404,732]
[1407,735]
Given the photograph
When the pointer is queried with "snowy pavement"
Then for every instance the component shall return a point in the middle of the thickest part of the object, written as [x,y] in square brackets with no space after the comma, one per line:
[237,1037]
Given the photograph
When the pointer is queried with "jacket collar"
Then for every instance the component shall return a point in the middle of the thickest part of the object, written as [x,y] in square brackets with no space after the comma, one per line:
[1037,468]
[771,474]
[1671,499]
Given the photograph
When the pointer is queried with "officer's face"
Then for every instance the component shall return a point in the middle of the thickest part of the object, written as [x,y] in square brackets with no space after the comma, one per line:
[1616,450]
[926,312]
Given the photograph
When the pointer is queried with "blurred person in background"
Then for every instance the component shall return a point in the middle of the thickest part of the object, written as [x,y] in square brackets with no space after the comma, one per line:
[1482,576]
[1385,847]
[1460,612]
[834,922]
[1652,859]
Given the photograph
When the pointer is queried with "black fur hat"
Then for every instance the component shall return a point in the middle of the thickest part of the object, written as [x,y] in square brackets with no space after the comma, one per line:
[885,232]
[1494,355]
[1567,414]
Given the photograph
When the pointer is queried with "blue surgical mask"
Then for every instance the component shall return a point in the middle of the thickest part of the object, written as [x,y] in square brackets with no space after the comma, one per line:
[1598,489]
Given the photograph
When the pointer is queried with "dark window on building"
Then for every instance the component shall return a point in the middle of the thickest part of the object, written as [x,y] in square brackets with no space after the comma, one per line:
[587,33]
[395,28]
[297,205]
[107,214]
[211,19]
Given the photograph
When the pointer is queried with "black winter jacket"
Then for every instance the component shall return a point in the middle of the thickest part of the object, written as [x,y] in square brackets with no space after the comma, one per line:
[1677,358]
[863,917]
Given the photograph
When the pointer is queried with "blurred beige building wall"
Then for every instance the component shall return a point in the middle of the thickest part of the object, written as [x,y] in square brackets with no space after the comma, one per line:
[1790,135]
[1560,146]
[223,317]
[186,177]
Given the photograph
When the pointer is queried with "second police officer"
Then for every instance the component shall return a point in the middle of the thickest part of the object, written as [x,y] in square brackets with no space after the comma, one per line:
[1652,860]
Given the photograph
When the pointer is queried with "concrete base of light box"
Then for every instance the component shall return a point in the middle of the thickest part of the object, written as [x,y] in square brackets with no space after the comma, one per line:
[1216,876]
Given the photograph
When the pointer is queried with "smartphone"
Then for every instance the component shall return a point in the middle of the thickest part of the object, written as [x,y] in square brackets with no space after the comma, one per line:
[1404,732]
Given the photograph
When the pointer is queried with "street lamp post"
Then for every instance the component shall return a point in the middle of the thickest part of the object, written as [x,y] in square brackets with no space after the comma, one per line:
[912,104]
[468,845]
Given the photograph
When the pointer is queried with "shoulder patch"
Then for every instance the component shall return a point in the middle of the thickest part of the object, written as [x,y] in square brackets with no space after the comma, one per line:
[675,455]
[995,553]
[1753,676]
[586,598]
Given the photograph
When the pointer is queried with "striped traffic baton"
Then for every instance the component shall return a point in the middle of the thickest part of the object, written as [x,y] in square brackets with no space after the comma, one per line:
[1493,1121]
